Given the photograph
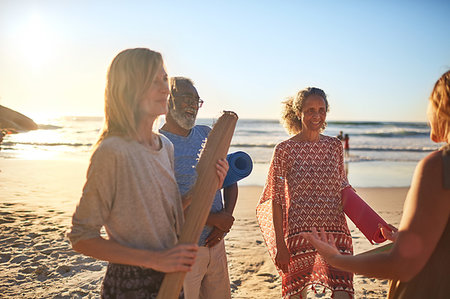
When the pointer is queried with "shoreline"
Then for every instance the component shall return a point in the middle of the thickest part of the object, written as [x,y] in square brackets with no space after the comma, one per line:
[38,197]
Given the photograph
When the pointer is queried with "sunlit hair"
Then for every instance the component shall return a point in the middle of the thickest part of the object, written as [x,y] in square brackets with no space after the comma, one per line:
[174,82]
[293,107]
[440,99]
[130,75]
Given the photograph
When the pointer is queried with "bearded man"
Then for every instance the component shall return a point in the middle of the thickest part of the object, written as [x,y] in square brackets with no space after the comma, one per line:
[209,275]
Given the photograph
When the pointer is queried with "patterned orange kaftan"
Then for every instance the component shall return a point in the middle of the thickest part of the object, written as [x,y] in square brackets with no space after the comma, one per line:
[306,179]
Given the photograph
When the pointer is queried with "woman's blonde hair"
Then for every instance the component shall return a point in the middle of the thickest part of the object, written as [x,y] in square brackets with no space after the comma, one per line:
[293,106]
[440,99]
[129,76]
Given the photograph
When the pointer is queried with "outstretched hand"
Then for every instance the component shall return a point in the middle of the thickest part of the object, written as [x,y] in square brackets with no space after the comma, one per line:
[324,244]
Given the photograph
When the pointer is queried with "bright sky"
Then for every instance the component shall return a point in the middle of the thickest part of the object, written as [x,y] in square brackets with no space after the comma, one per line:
[376,60]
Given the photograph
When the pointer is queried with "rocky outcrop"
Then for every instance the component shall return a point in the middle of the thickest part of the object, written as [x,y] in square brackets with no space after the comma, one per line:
[14,121]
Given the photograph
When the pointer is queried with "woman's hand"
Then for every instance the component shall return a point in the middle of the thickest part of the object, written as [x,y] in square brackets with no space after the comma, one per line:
[222,170]
[324,244]
[390,234]
[283,257]
[177,259]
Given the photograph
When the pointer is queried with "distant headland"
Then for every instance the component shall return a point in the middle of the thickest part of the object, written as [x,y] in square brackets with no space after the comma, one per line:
[14,122]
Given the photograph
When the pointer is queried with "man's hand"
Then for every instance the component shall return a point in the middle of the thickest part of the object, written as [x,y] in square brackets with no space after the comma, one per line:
[221,170]
[222,220]
[214,237]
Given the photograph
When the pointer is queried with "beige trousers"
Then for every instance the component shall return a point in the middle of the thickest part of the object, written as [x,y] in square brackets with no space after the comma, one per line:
[209,275]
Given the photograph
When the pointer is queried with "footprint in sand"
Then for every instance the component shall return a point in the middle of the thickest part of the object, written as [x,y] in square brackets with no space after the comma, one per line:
[270,277]
[237,282]
[19,245]
[63,269]
[7,220]
[94,267]
[47,251]
[27,270]
[20,279]
[39,257]
[9,240]
[19,259]
[4,257]
[33,235]
[49,229]
[40,246]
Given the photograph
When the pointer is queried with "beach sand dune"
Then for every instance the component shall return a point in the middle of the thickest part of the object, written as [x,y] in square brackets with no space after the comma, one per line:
[37,199]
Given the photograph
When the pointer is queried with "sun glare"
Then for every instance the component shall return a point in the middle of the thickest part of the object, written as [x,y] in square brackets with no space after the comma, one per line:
[38,145]
[34,41]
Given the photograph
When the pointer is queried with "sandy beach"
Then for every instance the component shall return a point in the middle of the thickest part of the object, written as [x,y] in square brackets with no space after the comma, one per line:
[37,198]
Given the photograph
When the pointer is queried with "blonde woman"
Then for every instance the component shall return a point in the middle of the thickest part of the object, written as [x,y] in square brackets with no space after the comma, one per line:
[419,262]
[303,188]
[131,188]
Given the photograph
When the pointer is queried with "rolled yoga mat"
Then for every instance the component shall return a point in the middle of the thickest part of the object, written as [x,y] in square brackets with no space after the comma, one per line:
[362,215]
[241,166]
[202,193]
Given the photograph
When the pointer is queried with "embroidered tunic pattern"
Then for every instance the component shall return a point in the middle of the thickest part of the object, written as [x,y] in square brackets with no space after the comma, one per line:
[306,179]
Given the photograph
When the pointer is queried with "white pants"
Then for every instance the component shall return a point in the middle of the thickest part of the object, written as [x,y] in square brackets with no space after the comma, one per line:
[209,275]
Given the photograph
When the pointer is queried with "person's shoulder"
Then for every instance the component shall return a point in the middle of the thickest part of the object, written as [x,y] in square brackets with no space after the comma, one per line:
[167,134]
[429,170]
[164,138]
[429,178]
[165,141]
[284,145]
[431,162]
[162,132]
[203,128]
[110,148]
[112,144]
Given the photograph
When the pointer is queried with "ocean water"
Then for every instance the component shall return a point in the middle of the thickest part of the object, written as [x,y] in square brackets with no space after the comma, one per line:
[382,154]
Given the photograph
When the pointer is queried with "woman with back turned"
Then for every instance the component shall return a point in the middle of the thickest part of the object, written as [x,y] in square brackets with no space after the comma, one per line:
[303,189]
[131,188]
[419,262]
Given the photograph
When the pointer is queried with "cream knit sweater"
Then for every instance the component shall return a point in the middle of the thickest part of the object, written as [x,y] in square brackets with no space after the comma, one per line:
[132,192]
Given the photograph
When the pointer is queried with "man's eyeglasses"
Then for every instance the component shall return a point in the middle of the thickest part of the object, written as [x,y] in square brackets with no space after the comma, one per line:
[189,100]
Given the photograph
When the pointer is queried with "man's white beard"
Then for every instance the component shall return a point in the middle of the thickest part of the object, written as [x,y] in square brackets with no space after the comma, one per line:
[181,119]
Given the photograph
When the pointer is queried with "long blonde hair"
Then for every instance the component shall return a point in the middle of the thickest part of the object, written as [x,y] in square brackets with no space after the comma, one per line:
[440,99]
[130,74]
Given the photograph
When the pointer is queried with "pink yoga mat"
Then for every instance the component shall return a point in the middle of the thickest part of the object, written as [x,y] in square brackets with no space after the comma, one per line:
[362,215]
